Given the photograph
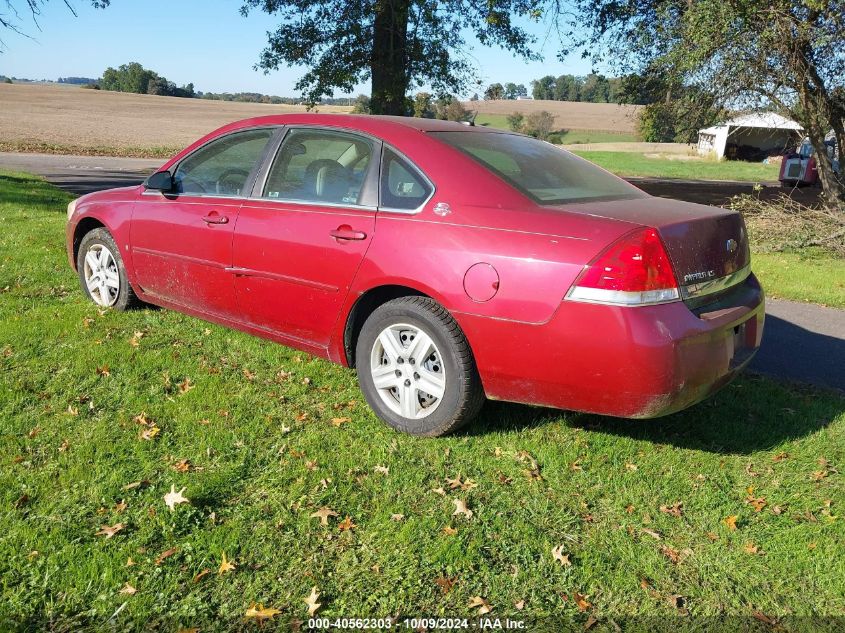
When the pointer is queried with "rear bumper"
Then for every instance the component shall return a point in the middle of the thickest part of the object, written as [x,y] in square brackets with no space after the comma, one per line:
[628,362]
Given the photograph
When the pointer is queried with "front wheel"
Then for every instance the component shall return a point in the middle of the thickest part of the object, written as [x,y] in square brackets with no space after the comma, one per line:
[102,273]
[416,368]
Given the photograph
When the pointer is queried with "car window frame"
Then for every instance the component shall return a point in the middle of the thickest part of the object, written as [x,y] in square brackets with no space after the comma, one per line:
[368,198]
[249,184]
[414,168]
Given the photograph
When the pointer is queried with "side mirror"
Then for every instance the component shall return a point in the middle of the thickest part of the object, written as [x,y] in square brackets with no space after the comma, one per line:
[160,181]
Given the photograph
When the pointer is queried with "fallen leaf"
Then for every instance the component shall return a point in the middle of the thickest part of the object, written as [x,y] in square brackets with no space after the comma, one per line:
[445,583]
[110,530]
[324,513]
[819,475]
[449,530]
[520,605]
[675,510]
[461,508]
[103,371]
[758,503]
[166,554]
[762,617]
[311,601]
[192,629]
[186,385]
[731,522]
[671,553]
[33,433]
[129,562]
[631,467]
[259,613]
[150,433]
[384,470]
[590,623]
[346,524]
[480,603]
[33,554]
[128,590]
[780,457]
[713,536]
[652,533]
[558,555]
[750,548]
[182,466]
[64,446]
[136,484]
[340,421]
[397,517]
[135,341]
[249,375]
[205,572]
[120,507]
[777,510]
[173,498]
[72,410]
[581,601]
[225,566]
[439,491]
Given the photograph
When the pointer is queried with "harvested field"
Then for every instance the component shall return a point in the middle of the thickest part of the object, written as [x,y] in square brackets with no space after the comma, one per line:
[42,115]
[569,115]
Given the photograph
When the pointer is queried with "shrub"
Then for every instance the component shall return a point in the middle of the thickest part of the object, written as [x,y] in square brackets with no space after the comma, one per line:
[516,121]
[539,124]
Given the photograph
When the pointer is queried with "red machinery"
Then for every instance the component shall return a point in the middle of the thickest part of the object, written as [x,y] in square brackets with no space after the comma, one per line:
[799,168]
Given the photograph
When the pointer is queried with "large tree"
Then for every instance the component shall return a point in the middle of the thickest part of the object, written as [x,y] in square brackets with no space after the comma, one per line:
[786,55]
[397,44]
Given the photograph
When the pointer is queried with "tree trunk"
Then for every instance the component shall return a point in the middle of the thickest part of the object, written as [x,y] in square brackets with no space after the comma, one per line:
[389,60]
[833,188]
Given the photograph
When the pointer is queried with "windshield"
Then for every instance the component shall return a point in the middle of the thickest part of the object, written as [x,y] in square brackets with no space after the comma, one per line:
[545,173]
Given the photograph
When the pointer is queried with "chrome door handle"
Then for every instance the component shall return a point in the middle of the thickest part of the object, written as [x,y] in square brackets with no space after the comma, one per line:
[214,218]
[346,232]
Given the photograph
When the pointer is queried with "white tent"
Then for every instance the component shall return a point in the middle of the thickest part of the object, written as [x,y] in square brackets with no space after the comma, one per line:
[765,131]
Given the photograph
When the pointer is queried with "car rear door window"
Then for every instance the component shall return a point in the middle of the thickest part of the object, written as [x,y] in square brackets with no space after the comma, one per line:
[319,166]
[222,167]
[402,186]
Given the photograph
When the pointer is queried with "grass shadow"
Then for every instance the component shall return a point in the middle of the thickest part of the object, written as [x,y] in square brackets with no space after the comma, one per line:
[752,414]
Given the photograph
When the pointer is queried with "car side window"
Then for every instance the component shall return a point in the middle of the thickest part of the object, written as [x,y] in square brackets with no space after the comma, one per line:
[223,166]
[401,185]
[319,166]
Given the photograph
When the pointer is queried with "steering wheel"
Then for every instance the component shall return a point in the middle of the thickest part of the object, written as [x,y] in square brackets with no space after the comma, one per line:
[221,185]
[188,184]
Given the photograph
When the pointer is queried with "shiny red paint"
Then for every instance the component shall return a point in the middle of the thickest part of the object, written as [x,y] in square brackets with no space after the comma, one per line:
[499,262]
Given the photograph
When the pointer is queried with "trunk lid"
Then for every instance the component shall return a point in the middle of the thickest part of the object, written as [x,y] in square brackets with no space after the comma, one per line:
[704,243]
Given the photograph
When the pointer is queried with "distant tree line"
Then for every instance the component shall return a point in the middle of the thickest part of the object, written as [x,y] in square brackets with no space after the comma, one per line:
[135,78]
[507,91]
[591,88]
[77,81]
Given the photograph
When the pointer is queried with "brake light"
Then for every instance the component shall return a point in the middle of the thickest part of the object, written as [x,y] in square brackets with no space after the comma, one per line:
[635,270]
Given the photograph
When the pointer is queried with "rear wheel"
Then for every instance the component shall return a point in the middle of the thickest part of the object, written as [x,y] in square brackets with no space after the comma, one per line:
[102,273]
[416,369]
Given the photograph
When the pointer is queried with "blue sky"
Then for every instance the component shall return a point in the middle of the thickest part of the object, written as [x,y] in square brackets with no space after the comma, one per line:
[206,42]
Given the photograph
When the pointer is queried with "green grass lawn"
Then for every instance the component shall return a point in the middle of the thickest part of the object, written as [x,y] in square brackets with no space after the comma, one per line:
[634,164]
[730,509]
[814,277]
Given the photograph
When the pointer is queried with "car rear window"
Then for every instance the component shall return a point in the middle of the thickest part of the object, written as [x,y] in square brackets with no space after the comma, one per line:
[547,174]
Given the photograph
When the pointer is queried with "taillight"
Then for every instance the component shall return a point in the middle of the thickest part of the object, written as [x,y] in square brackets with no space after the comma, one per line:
[635,270]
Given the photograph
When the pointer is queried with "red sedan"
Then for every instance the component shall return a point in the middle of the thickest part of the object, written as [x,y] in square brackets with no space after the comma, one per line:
[447,263]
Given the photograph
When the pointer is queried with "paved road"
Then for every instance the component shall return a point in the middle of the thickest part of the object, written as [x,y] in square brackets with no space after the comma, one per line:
[803,342]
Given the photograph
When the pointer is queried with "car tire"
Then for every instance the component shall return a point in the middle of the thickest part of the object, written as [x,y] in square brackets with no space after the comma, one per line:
[411,344]
[102,273]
